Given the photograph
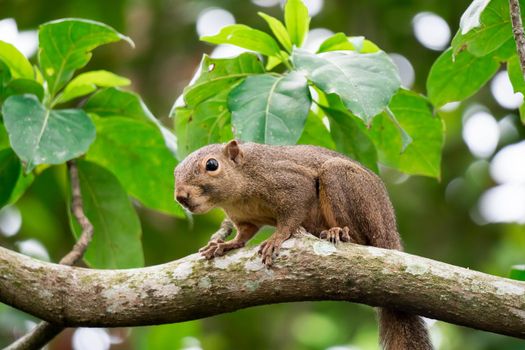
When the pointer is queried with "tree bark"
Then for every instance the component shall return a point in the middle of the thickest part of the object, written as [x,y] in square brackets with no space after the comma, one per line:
[517,30]
[307,269]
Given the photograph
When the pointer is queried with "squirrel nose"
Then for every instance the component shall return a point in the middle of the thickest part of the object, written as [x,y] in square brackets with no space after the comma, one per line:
[182,198]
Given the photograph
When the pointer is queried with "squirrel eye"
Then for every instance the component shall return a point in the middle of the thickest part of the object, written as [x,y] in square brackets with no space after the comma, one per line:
[212,164]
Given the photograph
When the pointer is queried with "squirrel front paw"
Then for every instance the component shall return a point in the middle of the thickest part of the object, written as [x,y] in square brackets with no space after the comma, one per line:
[270,249]
[336,234]
[218,248]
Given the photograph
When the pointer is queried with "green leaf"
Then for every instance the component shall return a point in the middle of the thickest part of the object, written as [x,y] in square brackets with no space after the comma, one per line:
[17,63]
[363,45]
[315,133]
[270,109]
[88,82]
[22,184]
[116,242]
[43,136]
[338,41]
[505,51]
[350,138]
[365,82]
[414,114]
[484,27]
[219,74]
[137,154]
[517,272]
[245,37]
[10,170]
[297,21]
[279,30]
[209,122]
[4,138]
[23,86]
[455,80]
[112,102]
[515,74]
[66,45]
[522,113]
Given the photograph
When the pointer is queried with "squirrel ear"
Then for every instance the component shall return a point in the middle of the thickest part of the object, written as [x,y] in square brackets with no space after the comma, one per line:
[233,151]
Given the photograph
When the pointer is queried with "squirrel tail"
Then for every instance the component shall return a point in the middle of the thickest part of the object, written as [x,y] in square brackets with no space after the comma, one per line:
[402,331]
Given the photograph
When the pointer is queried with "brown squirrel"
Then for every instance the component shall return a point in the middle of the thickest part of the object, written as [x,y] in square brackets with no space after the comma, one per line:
[328,194]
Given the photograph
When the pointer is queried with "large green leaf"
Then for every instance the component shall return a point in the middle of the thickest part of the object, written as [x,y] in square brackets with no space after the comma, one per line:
[515,74]
[316,133]
[136,153]
[43,136]
[112,102]
[365,82]
[5,77]
[23,86]
[88,82]
[10,170]
[116,242]
[17,63]
[4,138]
[220,74]
[270,109]
[297,21]
[209,122]
[414,114]
[279,30]
[245,37]
[66,45]
[456,79]
[484,27]
[350,138]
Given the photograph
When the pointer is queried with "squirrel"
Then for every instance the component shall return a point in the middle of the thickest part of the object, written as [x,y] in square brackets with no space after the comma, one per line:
[328,194]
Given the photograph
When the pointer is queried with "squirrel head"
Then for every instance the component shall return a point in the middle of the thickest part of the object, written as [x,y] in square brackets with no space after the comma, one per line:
[209,177]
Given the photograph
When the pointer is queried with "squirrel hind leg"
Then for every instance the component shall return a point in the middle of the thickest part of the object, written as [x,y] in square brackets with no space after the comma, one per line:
[351,196]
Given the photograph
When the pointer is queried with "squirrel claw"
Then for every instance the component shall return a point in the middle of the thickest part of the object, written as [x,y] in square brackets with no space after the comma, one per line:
[336,234]
[212,243]
[268,250]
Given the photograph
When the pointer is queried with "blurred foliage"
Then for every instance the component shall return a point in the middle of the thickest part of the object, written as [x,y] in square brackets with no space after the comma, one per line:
[437,219]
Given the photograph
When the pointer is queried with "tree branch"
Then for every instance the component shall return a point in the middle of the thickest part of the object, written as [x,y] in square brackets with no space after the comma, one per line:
[44,332]
[517,29]
[307,269]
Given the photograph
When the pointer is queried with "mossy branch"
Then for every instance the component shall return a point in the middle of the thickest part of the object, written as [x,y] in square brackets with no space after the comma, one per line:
[307,269]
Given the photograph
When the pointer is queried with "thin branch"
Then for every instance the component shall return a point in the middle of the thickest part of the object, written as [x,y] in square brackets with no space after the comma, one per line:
[517,29]
[307,269]
[44,332]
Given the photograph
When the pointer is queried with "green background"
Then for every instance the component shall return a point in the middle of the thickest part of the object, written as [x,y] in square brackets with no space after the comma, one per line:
[433,224]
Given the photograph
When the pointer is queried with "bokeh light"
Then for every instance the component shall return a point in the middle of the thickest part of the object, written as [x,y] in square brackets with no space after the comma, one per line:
[91,339]
[33,248]
[503,203]
[431,30]
[315,38]
[508,165]
[211,20]
[10,221]
[406,70]
[481,133]
[25,41]
[502,90]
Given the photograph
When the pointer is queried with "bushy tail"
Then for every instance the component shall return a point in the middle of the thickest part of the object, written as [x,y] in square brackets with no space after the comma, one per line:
[402,331]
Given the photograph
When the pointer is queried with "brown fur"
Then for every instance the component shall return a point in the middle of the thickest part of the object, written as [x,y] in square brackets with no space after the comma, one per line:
[328,194]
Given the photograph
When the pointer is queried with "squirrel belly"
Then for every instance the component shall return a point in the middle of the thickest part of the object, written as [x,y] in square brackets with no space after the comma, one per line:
[289,187]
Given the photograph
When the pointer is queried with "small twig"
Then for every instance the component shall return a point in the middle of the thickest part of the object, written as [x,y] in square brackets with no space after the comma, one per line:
[77,208]
[44,332]
[517,29]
